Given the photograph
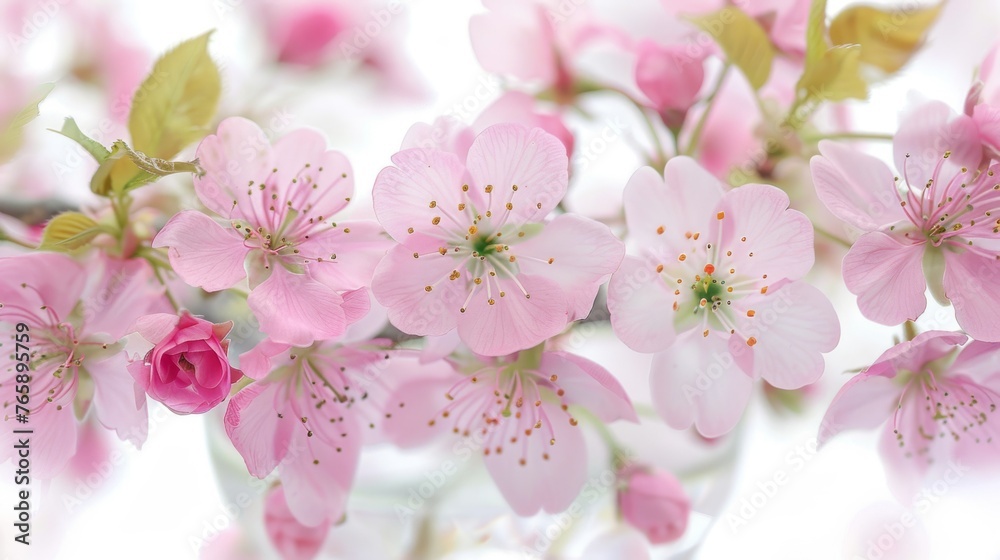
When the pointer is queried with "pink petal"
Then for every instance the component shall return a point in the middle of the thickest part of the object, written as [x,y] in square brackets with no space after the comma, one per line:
[256,362]
[324,180]
[155,327]
[359,246]
[448,134]
[792,326]
[864,402]
[971,283]
[295,309]
[294,540]
[778,241]
[905,466]
[36,279]
[120,404]
[913,355]
[589,385]
[403,194]
[400,285]
[855,187]
[887,277]
[505,155]
[540,484]
[256,430]
[202,252]
[509,40]
[696,381]
[682,201]
[318,477]
[668,76]
[514,322]
[519,107]
[53,442]
[926,132]
[639,301]
[585,254]
[423,397]
[127,290]
[239,152]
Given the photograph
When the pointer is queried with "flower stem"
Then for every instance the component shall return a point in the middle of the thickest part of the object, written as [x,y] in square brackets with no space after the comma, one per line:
[709,103]
[848,136]
[830,236]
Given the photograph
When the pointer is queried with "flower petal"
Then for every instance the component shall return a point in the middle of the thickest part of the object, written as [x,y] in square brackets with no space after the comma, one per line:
[680,202]
[400,285]
[926,132]
[696,381]
[639,301]
[314,177]
[864,402]
[855,187]
[589,385]
[359,246]
[792,327]
[508,155]
[294,540]
[318,476]
[238,153]
[202,252]
[972,283]
[888,278]
[765,236]
[120,403]
[423,185]
[510,39]
[583,255]
[514,322]
[40,279]
[297,310]
[255,426]
[552,474]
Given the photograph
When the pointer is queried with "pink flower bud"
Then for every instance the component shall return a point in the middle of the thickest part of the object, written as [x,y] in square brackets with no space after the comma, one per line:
[669,76]
[187,369]
[293,540]
[654,502]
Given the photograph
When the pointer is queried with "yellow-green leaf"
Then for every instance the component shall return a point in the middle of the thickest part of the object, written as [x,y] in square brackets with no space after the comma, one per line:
[816,43]
[68,231]
[836,76]
[176,101]
[888,38]
[743,40]
[10,138]
[72,131]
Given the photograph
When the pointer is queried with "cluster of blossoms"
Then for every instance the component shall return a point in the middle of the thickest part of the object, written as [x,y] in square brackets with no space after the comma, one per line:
[450,311]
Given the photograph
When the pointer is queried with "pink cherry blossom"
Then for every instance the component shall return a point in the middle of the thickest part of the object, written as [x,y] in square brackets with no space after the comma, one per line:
[536,41]
[294,540]
[716,292]
[935,400]
[187,369]
[308,414]
[670,77]
[307,272]
[654,502]
[518,411]
[475,253]
[301,34]
[75,316]
[935,227]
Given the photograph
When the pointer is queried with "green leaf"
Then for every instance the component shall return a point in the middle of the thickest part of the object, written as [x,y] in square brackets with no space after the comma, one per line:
[68,231]
[10,139]
[888,38]
[125,169]
[743,40]
[72,131]
[176,101]
[836,76]
[816,43]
